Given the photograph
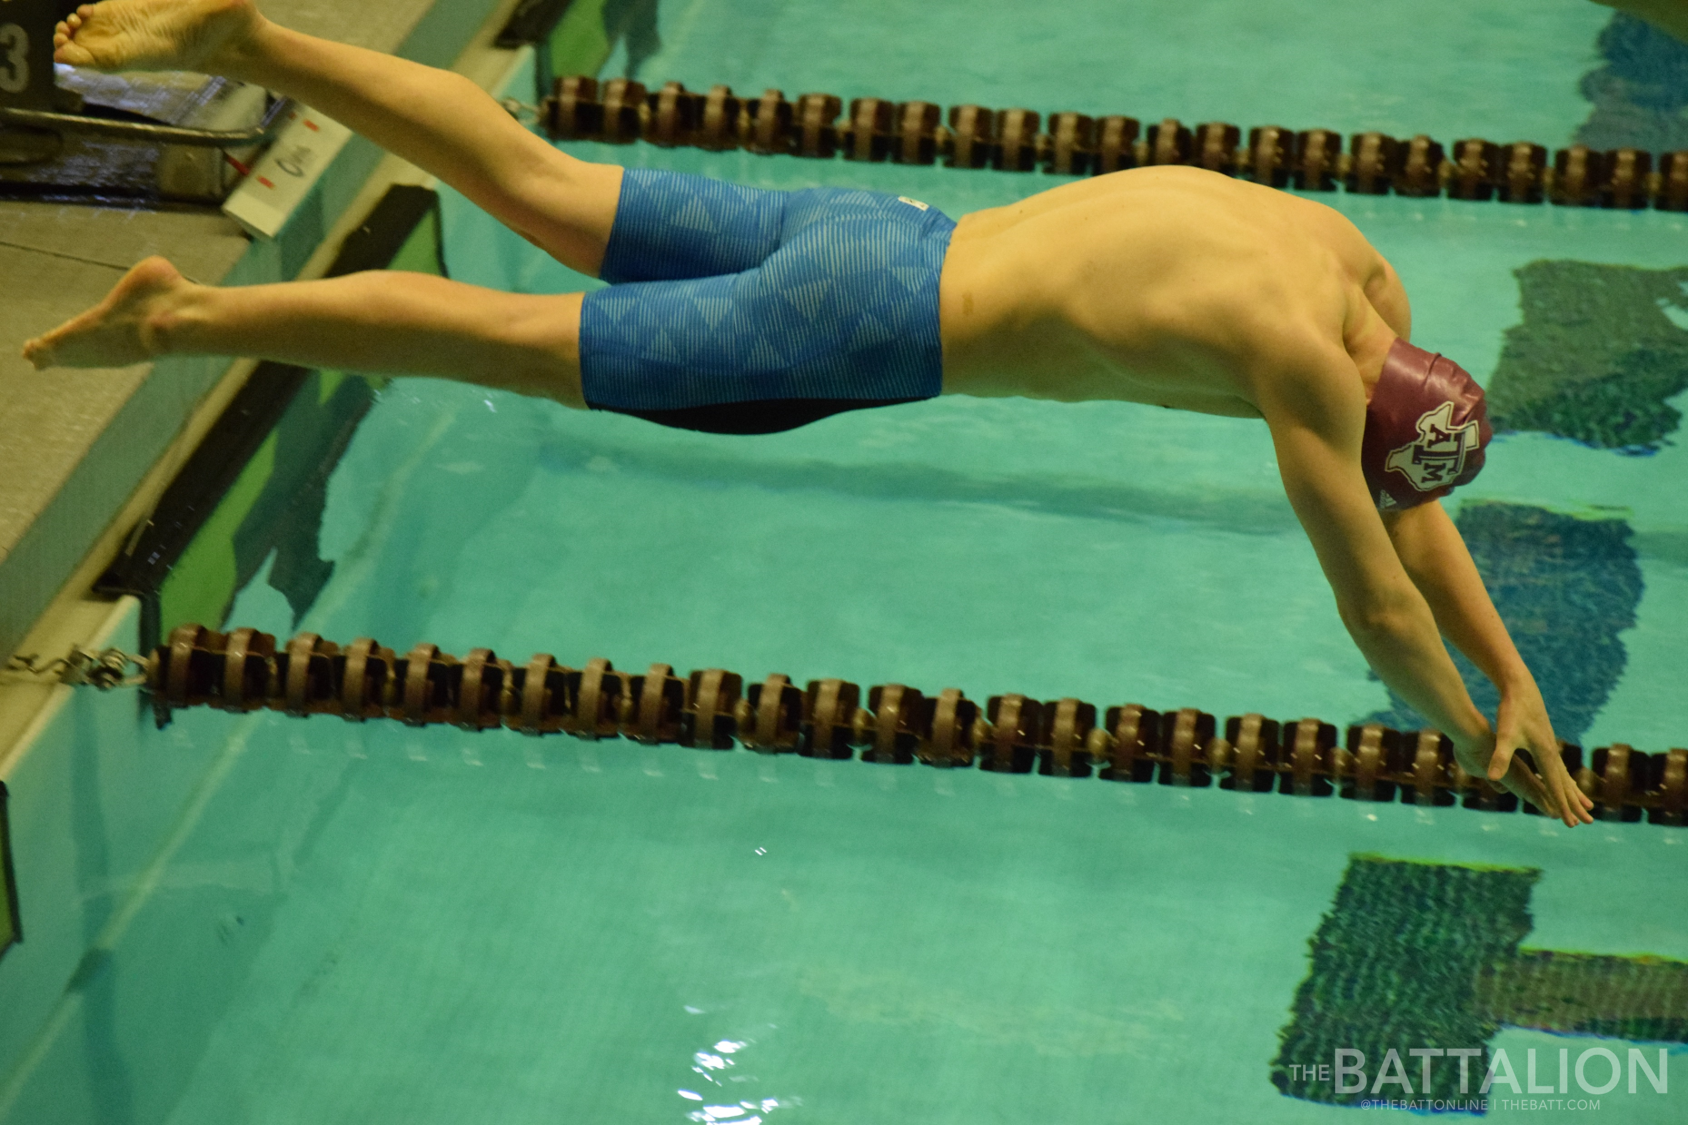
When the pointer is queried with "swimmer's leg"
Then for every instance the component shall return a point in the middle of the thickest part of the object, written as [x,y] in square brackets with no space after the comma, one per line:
[376,322]
[440,121]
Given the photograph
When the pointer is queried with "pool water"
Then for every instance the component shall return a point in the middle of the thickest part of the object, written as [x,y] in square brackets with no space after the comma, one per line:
[388,925]
[427,927]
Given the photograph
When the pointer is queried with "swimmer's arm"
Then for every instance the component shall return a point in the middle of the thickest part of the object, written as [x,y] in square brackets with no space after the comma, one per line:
[1317,437]
[1316,411]
[1436,559]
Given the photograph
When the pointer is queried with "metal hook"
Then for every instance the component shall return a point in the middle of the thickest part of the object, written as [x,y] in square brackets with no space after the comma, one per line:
[522,111]
[103,670]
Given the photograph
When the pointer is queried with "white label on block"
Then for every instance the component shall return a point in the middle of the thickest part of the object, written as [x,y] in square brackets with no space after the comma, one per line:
[281,179]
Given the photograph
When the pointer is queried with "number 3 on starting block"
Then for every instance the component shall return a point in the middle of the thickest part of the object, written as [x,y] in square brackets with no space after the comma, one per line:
[26,53]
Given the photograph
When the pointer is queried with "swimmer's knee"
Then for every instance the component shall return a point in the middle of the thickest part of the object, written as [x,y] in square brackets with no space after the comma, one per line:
[547,338]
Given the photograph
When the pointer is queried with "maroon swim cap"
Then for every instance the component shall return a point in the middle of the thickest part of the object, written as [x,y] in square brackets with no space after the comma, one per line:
[1426,429]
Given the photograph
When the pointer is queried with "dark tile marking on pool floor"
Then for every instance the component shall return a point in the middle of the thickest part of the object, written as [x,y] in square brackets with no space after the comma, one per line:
[1566,589]
[1595,357]
[1427,955]
[1639,91]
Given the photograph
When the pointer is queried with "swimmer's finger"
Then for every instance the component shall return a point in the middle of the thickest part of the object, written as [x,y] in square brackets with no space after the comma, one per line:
[1571,803]
[1527,786]
[1577,803]
[1574,803]
[1501,761]
[1563,807]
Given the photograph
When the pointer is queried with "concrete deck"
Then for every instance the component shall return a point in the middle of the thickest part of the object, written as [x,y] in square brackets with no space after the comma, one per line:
[76,445]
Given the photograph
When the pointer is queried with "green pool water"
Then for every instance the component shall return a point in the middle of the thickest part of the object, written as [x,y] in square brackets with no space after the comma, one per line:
[420,927]
[386,925]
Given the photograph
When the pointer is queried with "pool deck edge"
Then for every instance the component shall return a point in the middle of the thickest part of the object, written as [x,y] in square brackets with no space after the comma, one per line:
[79,448]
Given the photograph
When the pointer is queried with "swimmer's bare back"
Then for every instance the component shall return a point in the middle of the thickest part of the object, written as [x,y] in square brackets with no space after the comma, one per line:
[1171,286]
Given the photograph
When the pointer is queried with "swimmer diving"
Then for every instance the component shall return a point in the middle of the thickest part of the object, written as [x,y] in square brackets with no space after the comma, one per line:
[746,310]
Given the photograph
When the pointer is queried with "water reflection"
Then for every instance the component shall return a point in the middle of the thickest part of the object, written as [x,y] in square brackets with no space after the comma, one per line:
[712,1065]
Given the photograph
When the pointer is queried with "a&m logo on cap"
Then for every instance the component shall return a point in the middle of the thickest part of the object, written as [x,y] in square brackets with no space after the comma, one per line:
[1437,458]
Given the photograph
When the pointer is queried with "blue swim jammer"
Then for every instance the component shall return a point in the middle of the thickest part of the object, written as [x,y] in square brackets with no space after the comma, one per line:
[746,310]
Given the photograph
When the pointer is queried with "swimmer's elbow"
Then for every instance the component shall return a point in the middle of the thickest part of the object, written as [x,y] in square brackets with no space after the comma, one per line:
[1381,618]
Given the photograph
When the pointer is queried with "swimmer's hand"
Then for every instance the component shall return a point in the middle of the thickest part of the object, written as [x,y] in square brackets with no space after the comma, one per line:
[1524,725]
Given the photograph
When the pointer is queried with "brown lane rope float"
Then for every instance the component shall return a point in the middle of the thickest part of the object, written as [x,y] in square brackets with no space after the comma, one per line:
[244,670]
[620,111]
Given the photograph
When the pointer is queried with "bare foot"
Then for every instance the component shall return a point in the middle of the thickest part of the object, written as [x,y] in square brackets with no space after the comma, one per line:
[124,328]
[154,34]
